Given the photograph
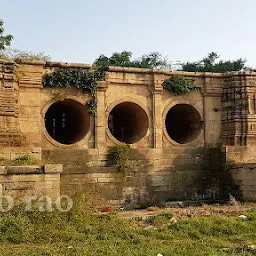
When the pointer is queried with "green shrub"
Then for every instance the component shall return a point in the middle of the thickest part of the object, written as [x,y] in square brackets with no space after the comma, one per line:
[120,155]
[180,85]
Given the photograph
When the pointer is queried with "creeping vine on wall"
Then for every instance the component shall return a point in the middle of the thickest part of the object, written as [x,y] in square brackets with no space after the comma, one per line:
[92,105]
[180,85]
[77,78]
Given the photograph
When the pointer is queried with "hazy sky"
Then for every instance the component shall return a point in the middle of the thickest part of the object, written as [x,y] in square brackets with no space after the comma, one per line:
[80,30]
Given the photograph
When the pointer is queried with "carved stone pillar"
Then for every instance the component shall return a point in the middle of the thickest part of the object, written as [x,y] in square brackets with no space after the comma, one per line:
[100,117]
[157,112]
[9,108]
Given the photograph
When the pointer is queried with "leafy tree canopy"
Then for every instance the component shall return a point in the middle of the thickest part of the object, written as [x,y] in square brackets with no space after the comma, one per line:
[210,64]
[5,40]
[124,59]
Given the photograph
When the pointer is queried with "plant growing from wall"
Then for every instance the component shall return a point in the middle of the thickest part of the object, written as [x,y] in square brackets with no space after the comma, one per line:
[92,105]
[77,78]
[58,96]
[26,160]
[180,85]
[120,155]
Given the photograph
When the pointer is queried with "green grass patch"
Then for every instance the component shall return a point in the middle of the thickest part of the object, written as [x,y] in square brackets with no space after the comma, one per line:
[84,232]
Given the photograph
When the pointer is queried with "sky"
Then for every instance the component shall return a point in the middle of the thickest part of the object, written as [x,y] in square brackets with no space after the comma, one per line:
[181,30]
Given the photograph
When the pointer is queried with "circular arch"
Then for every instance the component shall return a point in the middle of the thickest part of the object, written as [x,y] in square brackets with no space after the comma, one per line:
[127,121]
[187,119]
[79,113]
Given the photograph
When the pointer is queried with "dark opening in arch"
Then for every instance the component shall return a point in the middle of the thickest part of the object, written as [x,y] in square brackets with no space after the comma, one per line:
[67,121]
[183,123]
[128,122]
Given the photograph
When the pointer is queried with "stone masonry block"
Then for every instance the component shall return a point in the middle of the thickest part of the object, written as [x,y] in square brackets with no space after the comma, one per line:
[24,169]
[53,168]
[3,170]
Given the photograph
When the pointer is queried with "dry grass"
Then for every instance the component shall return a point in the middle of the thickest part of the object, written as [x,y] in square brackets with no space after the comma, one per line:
[191,212]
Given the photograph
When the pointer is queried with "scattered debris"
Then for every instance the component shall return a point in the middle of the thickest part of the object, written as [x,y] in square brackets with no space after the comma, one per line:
[251,246]
[108,209]
[153,208]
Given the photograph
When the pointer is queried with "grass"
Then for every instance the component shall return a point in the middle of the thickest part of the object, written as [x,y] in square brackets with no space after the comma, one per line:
[22,160]
[84,232]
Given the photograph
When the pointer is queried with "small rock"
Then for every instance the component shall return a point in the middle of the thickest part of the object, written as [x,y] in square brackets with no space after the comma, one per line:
[159,254]
[173,220]
[242,217]
[251,246]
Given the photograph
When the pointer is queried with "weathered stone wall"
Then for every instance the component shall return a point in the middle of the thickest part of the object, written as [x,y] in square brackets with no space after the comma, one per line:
[163,169]
[157,175]
[240,181]
[21,181]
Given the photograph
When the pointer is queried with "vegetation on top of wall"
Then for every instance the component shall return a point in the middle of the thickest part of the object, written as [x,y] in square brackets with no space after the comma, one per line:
[210,64]
[180,85]
[153,60]
[19,55]
[26,160]
[120,155]
[77,78]
[22,160]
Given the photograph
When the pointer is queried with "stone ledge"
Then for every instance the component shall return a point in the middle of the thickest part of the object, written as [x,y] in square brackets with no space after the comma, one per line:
[31,169]
[68,65]
[53,168]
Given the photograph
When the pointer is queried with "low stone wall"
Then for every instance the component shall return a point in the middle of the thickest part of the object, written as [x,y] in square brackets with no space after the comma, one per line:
[157,175]
[21,181]
[241,181]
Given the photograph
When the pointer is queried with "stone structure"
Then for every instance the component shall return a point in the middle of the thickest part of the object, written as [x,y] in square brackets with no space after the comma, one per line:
[196,146]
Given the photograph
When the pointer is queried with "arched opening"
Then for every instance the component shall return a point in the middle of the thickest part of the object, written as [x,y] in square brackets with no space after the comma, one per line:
[183,123]
[67,121]
[128,122]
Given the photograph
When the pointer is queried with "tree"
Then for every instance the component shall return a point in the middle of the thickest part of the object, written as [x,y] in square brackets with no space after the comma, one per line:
[210,64]
[152,60]
[5,40]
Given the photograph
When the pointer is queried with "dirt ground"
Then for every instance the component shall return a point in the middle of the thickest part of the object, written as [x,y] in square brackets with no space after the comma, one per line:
[233,209]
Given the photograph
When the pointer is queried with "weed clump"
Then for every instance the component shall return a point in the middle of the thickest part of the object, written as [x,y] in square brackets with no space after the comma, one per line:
[26,160]
[120,155]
